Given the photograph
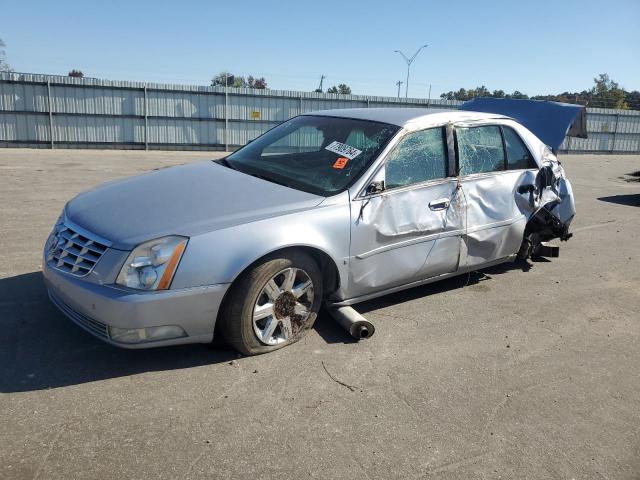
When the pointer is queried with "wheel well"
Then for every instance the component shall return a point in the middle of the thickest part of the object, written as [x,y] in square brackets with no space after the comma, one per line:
[328,268]
[330,276]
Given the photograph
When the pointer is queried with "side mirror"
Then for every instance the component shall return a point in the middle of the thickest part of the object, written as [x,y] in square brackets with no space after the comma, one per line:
[375,187]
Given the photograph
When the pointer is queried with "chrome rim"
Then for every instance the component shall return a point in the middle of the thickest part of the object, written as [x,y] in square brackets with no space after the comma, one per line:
[283,306]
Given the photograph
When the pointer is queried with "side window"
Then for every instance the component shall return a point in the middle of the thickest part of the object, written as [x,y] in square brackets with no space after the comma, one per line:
[480,149]
[420,156]
[518,155]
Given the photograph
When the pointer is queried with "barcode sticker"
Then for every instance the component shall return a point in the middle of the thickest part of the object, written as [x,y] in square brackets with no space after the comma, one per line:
[343,149]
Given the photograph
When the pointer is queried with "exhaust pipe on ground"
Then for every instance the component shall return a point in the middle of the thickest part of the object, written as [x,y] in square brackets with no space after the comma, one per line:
[354,323]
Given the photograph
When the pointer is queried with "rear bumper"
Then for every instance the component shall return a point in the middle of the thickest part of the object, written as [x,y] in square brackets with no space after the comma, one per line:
[96,307]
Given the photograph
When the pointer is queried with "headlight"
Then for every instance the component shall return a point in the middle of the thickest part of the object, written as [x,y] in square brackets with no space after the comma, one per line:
[151,265]
[53,236]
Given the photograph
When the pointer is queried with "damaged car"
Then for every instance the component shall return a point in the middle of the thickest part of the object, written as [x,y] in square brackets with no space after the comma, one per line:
[328,208]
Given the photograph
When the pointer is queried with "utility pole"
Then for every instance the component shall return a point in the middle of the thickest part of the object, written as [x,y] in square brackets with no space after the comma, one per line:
[409,62]
[226,112]
[398,83]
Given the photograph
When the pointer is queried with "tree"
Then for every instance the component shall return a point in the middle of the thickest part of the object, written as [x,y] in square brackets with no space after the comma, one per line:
[342,89]
[259,83]
[223,78]
[633,99]
[605,93]
[238,81]
[76,73]
[4,66]
[518,95]
[608,93]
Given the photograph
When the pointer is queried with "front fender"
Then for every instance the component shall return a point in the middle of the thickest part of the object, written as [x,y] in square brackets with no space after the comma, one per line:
[220,256]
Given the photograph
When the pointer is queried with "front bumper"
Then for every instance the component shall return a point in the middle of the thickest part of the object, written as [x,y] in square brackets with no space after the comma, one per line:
[96,307]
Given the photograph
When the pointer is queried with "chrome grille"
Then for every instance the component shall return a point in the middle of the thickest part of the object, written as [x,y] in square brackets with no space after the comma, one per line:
[99,329]
[74,251]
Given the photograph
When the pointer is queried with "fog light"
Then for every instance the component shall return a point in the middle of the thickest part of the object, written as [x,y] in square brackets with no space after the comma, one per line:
[149,334]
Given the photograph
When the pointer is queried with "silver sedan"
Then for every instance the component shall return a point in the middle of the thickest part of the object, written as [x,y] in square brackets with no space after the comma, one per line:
[332,207]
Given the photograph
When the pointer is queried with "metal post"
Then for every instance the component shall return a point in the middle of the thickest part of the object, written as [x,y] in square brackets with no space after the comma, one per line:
[226,113]
[429,97]
[146,120]
[49,107]
[615,130]
[406,86]
[302,111]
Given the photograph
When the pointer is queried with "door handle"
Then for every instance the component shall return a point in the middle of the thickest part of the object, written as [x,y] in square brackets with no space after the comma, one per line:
[440,204]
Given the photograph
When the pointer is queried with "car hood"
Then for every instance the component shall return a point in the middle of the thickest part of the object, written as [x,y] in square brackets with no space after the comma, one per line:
[185,200]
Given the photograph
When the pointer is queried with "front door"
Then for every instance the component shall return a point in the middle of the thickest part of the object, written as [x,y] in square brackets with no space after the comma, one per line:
[412,229]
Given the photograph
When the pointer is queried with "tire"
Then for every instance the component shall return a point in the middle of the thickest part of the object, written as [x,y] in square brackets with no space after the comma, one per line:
[254,294]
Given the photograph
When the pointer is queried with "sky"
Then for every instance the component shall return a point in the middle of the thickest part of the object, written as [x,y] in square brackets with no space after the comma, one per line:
[537,47]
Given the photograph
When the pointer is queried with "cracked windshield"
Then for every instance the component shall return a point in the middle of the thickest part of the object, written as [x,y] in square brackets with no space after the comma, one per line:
[320,155]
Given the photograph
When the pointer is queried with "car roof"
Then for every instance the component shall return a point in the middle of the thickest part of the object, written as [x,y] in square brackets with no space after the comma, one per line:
[404,116]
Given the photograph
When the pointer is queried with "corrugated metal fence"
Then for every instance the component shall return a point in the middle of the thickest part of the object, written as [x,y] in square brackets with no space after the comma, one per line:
[62,112]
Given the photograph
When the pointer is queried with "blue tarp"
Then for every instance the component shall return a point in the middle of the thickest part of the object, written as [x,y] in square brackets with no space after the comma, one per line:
[549,121]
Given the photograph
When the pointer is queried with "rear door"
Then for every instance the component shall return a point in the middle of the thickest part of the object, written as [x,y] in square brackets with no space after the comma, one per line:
[492,162]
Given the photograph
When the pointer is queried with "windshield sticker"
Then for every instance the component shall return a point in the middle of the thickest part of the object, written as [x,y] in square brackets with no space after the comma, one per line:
[340,163]
[343,149]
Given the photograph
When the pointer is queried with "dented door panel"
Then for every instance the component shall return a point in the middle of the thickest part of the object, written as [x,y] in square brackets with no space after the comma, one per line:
[496,216]
[397,238]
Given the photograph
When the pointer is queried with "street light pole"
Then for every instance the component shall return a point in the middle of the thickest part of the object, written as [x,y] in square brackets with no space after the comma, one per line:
[409,62]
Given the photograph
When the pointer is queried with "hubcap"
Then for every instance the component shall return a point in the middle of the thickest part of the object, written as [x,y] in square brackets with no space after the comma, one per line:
[283,306]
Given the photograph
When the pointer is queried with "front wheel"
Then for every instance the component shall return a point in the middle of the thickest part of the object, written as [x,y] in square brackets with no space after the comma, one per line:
[272,305]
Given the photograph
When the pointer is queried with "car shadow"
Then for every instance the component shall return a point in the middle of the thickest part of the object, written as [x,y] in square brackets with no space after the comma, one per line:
[331,332]
[40,348]
[631,200]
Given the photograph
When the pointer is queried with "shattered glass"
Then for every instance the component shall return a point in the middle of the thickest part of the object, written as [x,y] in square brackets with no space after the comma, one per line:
[418,157]
[296,153]
[480,150]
